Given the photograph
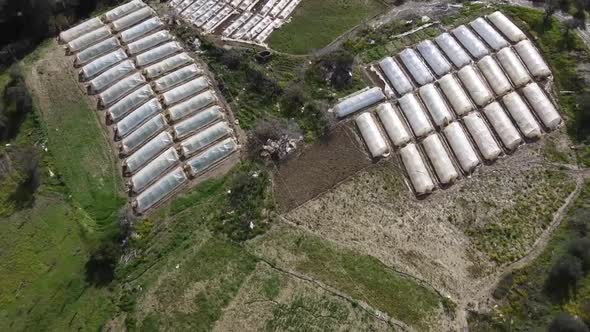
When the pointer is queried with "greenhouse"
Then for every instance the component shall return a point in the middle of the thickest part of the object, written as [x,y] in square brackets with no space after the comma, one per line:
[489,34]
[395,75]
[123,10]
[461,146]
[159,190]
[167,65]
[88,39]
[204,138]
[185,90]
[101,64]
[372,135]
[435,105]
[148,42]
[484,140]
[494,75]
[502,125]
[470,41]
[522,115]
[176,77]
[506,26]
[192,105]
[475,86]
[121,89]
[415,115]
[513,67]
[453,50]
[416,67]
[132,19]
[142,134]
[137,117]
[532,59]
[111,76]
[358,102]
[434,57]
[416,169]
[129,102]
[393,124]
[211,156]
[80,29]
[147,152]
[455,94]
[96,50]
[440,160]
[141,29]
[158,53]
[542,106]
[153,170]
[198,121]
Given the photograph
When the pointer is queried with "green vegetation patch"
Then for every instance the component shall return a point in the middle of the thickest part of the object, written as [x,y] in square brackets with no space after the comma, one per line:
[316,23]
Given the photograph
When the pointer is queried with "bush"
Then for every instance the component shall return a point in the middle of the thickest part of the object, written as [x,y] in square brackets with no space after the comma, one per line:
[16,104]
[563,278]
[566,323]
[580,248]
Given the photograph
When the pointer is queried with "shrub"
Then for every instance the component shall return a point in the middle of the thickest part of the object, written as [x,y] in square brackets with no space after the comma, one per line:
[580,248]
[566,323]
[563,278]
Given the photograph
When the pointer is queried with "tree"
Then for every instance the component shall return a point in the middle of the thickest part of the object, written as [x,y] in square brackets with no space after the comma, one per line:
[566,323]
[563,278]
[580,248]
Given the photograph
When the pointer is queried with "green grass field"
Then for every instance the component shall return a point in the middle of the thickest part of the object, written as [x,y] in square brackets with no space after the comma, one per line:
[316,23]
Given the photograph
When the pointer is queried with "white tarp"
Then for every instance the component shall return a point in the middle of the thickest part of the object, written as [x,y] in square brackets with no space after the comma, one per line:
[167,65]
[123,10]
[393,124]
[455,94]
[198,121]
[80,29]
[415,115]
[149,41]
[475,86]
[513,67]
[142,134]
[398,80]
[460,145]
[522,115]
[130,102]
[532,59]
[137,117]
[147,152]
[494,75]
[508,28]
[132,19]
[211,156]
[484,140]
[358,102]
[120,89]
[471,43]
[153,170]
[453,50]
[435,105]
[372,135]
[542,105]
[246,27]
[415,66]
[434,57]
[111,76]
[158,53]
[502,125]
[96,51]
[440,160]
[416,169]
[185,90]
[176,77]
[88,39]
[141,29]
[488,34]
[236,24]
[159,190]
[204,138]
[99,65]
[192,105]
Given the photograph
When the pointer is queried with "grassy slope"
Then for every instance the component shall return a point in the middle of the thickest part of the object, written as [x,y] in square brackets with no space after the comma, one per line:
[316,23]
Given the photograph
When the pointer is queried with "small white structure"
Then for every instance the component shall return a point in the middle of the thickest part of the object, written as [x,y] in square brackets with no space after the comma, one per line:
[372,135]
[532,59]
[441,162]
[167,65]
[185,90]
[484,140]
[358,102]
[416,169]
[88,39]
[396,76]
[80,29]
[197,121]
[393,124]
[522,115]
[502,125]
[158,53]
[101,64]
[206,159]
[159,190]
[488,34]
[121,89]
[111,76]
[123,10]
[141,114]
[453,50]
[415,115]
[132,18]
[513,67]
[434,57]
[147,152]
[154,126]
[176,77]
[506,26]
[435,105]
[140,30]
[129,102]
[416,67]
[153,170]
[148,42]
[204,138]
[191,105]
[96,50]
[542,106]
[494,75]
[470,41]
[461,146]
[475,86]
[455,94]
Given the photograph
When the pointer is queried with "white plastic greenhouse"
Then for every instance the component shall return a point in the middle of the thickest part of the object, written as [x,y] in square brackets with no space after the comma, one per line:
[101,64]
[542,105]
[185,90]
[522,115]
[502,125]
[198,121]
[192,105]
[159,190]
[416,67]
[453,50]
[167,65]
[415,115]
[88,39]
[96,50]
[475,86]
[129,102]
[148,42]
[398,80]
[494,75]
[455,94]
[461,146]
[513,67]
[137,117]
[484,140]
[123,10]
[435,105]
[441,162]
[147,152]
[359,101]
[211,156]
[470,41]
[176,77]
[153,170]
[132,19]
[121,88]
[141,29]
[372,135]
[202,139]
[80,29]
[508,28]
[434,57]
[142,134]
[393,124]
[489,34]
[111,76]
[532,59]
[158,53]
[416,169]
